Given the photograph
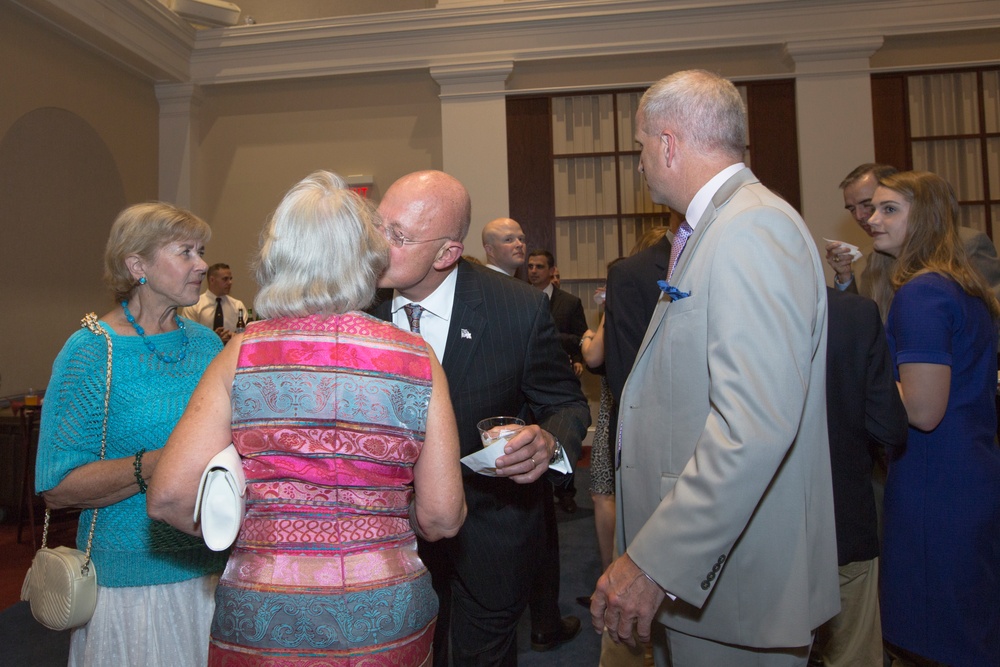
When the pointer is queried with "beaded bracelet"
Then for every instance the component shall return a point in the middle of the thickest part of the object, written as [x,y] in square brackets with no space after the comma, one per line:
[137,465]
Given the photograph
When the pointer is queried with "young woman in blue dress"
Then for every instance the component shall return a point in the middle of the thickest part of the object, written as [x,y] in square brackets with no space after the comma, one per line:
[939,577]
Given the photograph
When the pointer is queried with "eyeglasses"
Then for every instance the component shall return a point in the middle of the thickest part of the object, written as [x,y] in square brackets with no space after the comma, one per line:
[396,238]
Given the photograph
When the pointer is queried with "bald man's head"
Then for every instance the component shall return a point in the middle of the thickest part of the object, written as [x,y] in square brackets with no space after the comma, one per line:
[426,215]
[504,244]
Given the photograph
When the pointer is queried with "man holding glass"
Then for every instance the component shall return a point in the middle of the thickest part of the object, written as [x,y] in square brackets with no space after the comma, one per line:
[500,350]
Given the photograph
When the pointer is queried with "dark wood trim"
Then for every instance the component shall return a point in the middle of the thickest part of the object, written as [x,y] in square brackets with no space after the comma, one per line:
[774,141]
[531,194]
[890,118]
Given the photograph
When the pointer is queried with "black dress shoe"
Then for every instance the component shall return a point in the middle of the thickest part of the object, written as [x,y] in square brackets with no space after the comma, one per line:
[569,627]
[567,504]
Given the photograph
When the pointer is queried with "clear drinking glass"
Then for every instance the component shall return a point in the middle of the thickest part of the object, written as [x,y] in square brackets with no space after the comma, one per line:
[498,429]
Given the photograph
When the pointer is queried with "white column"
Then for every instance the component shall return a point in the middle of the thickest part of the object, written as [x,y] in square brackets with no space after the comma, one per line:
[834,108]
[474,138]
[179,110]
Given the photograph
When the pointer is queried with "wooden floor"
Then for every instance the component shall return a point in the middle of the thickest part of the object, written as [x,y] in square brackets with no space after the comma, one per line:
[16,558]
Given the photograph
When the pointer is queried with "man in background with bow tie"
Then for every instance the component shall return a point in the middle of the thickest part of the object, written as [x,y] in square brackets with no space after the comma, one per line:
[725,505]
[499,348]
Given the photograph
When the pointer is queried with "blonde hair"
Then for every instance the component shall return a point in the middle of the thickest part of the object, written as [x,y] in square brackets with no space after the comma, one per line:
[321,252]
[877,285]
[648,239]
[932,244]
[142,229]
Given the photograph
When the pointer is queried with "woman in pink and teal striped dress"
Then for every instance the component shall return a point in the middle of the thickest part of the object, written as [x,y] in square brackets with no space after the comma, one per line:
[349,447]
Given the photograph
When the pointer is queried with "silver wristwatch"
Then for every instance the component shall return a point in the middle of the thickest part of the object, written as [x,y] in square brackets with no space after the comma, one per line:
[557,455]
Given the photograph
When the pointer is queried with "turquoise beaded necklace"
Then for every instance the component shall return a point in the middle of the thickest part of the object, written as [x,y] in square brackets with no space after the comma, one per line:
[165,358]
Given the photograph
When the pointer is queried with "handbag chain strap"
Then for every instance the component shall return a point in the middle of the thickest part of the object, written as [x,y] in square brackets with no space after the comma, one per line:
[89,321]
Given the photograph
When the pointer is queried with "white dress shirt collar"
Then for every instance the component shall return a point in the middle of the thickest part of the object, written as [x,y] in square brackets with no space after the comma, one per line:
[704,196]
[549,290]
[436,318]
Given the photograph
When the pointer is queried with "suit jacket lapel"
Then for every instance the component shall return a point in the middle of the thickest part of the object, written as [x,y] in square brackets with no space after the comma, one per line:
[467,327]
[719,200]
[383,310]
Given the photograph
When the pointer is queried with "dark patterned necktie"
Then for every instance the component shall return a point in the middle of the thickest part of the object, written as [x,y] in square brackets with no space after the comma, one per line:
[217,321]
[413,312]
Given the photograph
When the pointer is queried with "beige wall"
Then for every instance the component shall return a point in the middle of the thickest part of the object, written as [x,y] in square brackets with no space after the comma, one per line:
[257,140]
[77,143]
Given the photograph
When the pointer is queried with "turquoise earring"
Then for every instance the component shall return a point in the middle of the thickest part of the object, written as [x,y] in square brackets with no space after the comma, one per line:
[142,281]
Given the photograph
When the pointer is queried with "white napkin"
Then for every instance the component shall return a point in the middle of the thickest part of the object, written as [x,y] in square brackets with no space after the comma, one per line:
[484,461]
[855,251]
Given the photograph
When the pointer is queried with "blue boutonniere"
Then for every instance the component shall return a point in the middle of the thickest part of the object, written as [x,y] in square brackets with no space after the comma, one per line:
[671,291]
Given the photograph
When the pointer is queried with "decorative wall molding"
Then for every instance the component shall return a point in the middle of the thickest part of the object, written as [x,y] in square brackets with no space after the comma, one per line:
[142,36]
[825,57]
[476,80]
[150,39]
[178,99]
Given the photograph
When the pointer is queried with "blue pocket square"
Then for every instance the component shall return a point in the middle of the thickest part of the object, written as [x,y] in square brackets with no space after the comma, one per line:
[671,291]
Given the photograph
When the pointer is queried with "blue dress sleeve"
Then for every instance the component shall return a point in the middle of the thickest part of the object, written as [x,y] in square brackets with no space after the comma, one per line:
[922,320]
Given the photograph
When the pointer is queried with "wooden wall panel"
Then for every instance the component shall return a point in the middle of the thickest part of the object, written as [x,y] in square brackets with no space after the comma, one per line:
[529,169]
[889,117]
[774,144]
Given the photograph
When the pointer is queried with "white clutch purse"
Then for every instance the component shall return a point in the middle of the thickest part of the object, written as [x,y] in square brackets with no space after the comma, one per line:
[221,499]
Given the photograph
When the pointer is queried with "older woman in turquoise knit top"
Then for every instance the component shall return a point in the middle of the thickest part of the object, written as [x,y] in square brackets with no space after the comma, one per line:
[156,584]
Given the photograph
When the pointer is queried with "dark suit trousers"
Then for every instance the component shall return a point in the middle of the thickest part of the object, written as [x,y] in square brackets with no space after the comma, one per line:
[473,635]
[544,601]
[482,637]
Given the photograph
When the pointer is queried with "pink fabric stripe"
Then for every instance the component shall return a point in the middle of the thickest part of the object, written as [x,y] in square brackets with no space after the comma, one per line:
[260,570]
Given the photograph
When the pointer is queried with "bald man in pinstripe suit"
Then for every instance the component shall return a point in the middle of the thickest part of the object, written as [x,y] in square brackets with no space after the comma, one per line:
[500,350]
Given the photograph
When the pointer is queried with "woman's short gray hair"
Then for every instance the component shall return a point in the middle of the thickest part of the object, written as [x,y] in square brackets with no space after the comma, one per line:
[142,229]
[321,252]
[705,109]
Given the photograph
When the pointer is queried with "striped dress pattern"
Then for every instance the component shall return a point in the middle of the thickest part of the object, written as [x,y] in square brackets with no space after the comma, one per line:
[329,414]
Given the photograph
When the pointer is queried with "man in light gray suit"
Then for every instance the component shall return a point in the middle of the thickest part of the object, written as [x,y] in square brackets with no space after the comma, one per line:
[725,503]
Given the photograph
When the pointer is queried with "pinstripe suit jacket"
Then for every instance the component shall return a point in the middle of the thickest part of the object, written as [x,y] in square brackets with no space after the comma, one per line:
[503,357]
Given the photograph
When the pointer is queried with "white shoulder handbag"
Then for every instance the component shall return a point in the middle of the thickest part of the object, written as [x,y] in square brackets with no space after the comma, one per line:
[221,499]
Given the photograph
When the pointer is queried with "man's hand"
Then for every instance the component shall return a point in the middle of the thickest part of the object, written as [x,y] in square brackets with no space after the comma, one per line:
[624,597]
[526,456]
[224,334]
[838,256]
[577,368]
